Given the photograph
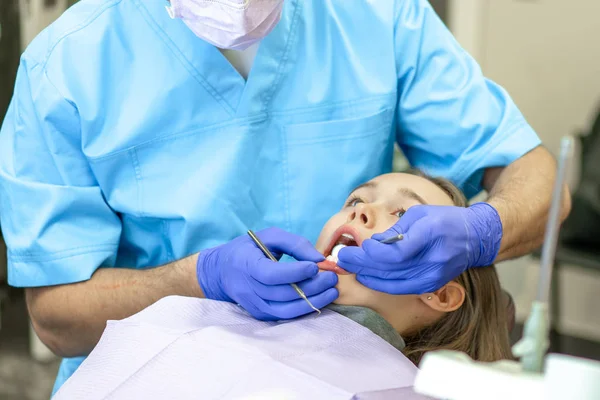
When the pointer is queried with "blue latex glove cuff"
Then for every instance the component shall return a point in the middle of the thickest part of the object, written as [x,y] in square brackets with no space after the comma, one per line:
[440,243]
[486,223]
[210,287]
[238,272]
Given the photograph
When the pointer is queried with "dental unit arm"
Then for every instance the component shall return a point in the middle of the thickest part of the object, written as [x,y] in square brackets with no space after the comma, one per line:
[453,375]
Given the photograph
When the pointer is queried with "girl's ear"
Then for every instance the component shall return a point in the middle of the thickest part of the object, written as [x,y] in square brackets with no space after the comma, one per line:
[448,298]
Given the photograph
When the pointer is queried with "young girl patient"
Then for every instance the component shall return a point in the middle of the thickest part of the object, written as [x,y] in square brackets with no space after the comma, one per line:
[466,315]
[359,348]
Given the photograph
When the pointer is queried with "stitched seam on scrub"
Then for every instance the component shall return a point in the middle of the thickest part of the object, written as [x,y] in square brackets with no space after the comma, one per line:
[59,255]
[286,185]
[167,241]
[335,104]
[459,176]
[171,46]
[177,135]
[370,132]
[284,57]
[220,125]
[99,11]
[138,181]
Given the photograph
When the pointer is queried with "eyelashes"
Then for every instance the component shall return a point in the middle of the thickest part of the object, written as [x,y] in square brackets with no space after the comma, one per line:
[354,200]
[400,212]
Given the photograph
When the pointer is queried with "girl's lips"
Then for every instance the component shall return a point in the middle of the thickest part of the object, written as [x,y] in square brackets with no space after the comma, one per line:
[331,266]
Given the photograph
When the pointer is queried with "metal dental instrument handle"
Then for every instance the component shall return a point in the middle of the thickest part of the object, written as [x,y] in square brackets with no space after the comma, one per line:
[392,239]
[268,254]
[553,225]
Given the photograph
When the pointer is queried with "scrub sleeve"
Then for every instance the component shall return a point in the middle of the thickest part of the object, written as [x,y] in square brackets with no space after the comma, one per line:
[451,120]
[57,226]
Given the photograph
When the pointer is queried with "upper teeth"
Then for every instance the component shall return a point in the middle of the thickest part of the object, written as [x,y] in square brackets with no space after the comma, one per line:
[348,236]
[335,251]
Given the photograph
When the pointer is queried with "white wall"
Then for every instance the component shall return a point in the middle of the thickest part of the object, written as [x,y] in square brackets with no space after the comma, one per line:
[465,19]
[546,53]
[35,16]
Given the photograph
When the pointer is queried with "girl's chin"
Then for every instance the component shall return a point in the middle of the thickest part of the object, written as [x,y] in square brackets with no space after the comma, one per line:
[352,293]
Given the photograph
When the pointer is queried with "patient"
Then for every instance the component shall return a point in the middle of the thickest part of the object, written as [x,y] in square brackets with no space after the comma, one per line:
[465,315]
[363,347]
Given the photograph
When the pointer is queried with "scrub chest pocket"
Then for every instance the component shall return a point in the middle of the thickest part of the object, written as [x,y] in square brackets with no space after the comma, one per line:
[186,192]
[324,161]
[183,193]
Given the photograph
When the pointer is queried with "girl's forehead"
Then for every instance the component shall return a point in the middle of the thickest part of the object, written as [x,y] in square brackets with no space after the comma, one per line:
[389,186]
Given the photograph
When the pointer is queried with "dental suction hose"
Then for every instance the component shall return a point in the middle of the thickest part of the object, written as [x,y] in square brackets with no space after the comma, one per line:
[553,225]
[532,347]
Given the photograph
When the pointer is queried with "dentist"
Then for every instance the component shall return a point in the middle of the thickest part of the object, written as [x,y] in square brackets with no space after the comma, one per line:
[144,136]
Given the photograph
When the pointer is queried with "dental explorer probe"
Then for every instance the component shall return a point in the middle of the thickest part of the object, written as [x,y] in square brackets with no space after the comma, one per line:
[393,239]
[535,341]
[268,254]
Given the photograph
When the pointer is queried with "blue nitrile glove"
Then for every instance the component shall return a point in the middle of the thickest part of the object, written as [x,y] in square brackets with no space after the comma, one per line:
[239,272]
[440,242]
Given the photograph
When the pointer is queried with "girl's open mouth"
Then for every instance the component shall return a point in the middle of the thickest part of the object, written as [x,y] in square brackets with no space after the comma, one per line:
[344,236]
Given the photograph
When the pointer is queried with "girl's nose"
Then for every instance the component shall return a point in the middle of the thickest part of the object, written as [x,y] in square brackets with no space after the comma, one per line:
[363,214]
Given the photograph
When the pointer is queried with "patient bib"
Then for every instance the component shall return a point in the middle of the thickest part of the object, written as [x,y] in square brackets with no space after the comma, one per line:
[188,348]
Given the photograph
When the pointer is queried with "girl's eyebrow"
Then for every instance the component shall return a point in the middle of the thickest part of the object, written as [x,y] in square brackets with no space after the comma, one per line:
[406,192]
[367,185]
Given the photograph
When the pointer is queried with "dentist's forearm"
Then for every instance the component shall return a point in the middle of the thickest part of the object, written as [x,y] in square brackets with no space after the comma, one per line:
[70,319]
[521,193]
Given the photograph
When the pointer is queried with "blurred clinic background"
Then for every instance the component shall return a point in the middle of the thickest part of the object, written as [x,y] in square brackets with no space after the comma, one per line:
[546,53]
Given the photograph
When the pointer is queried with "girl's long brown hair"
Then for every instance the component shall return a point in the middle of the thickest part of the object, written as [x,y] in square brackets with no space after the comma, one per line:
[479,327]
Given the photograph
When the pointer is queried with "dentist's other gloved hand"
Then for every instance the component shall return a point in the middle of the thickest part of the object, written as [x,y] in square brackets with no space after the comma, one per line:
[239,272]
[440,243]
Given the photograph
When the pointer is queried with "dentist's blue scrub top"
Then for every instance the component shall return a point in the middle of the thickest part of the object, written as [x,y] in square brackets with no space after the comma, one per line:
[130,142]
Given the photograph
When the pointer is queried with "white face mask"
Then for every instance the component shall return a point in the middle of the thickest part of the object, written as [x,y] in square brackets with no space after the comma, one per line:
[228,24]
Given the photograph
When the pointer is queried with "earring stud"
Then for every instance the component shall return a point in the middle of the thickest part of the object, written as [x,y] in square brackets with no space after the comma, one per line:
[429,297]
